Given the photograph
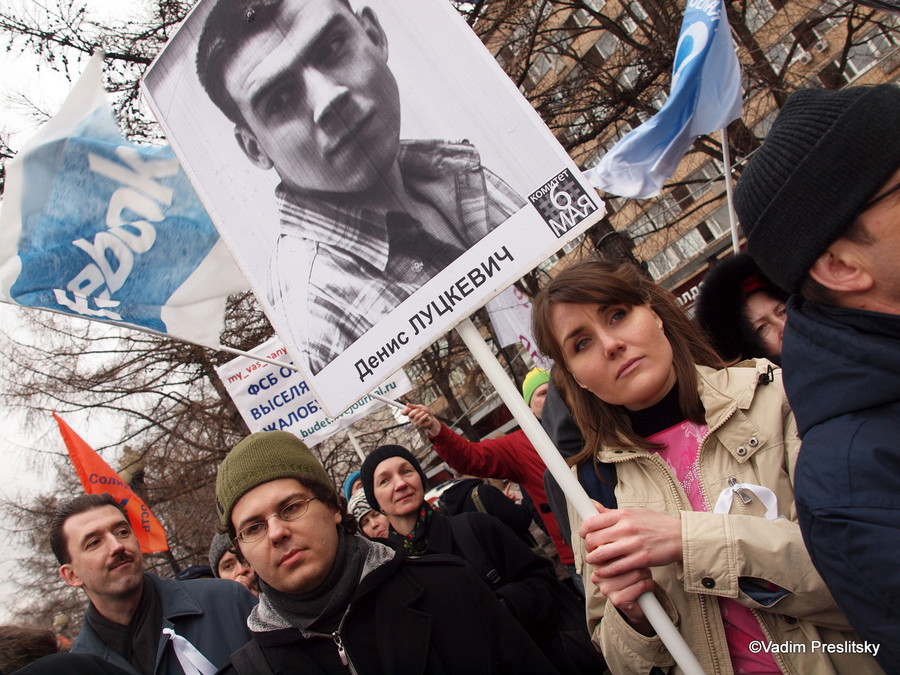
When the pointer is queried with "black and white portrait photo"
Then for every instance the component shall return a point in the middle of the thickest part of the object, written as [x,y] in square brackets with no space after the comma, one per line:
[352,156]
[312,98]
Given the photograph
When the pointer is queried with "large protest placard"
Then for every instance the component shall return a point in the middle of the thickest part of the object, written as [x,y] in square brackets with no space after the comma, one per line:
[277,398]
[372,169]
[98,227]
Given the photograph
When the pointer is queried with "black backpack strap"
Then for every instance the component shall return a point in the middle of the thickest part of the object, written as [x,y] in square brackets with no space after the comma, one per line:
[250,660]
[464,536]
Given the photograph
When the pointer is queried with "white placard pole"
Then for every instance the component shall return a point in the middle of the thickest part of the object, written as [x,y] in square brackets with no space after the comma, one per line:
[356,446]
[557,466]
[240,352]
[384,399]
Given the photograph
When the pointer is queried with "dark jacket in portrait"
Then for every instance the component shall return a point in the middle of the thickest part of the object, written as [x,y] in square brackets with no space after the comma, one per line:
[408,616]
[842,377]
[210,613]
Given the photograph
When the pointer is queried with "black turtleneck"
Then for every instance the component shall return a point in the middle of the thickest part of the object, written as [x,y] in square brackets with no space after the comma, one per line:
[658,417]
[139,640]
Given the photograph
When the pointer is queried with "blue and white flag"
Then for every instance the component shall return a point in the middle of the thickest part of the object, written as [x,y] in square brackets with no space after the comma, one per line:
[97,227]
[705,97]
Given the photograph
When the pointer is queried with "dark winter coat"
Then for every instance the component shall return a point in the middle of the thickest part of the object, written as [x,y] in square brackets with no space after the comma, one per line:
[410,615]
[460,498]
[210,613]
[525,583]
[598,480]
[842,377]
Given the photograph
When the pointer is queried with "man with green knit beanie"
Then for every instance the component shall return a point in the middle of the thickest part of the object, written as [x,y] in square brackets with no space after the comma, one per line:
[335,602]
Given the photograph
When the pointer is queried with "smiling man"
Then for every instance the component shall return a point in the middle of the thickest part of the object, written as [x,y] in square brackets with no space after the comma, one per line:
[137,621]
[308,88]
[333,602]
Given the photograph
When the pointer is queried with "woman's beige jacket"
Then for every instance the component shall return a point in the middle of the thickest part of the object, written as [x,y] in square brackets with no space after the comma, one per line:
[753,440]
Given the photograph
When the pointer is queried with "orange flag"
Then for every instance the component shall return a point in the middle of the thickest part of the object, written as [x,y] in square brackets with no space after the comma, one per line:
[98,477]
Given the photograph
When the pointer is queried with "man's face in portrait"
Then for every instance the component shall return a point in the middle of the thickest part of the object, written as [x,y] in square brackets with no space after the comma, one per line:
[318,101]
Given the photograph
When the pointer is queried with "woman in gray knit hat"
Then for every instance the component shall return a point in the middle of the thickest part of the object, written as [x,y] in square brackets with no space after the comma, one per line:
[227,564]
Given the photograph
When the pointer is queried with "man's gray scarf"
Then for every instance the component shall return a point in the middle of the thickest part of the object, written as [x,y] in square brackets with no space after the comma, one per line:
[325,606]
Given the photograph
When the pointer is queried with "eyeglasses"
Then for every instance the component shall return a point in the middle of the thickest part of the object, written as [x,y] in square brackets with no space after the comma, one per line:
[256,531]
[882,196]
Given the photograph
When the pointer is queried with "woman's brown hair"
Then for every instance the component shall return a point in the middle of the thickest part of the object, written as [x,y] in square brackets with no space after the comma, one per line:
[605,283]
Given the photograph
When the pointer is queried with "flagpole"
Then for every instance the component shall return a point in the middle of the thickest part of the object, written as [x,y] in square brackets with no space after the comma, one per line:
[729,193]
[575,493]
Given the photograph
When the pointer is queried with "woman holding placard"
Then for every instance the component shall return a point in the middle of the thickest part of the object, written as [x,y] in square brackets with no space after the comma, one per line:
[704,458]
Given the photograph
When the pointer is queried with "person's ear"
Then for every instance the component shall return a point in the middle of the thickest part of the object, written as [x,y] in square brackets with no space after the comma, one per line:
[251,147]
[842,268]
[373,29]
[68,575]
[338,517]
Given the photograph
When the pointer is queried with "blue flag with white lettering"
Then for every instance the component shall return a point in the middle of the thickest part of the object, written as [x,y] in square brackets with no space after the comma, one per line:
[101,228]
[705,96]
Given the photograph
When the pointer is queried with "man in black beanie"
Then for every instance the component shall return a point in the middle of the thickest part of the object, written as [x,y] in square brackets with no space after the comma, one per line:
[820,203]
[334,602]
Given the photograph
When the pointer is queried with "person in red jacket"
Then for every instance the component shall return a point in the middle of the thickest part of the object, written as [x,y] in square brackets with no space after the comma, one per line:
[512,457]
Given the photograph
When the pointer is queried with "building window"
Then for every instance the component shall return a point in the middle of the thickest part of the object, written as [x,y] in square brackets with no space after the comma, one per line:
[625,18]
[656,216]
[758,13]
[683,196]
[684,249]
[614,203]
[601,50]
[829,14]
[539,67]
[831,76]
[662,263]
[578,127]
[806,36]
[863,56]
[777,55]
[581,18]
[706,233]
[718,221]
[761,128]
[690,245]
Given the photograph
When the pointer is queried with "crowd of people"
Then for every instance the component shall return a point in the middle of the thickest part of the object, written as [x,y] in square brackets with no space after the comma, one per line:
[743,468]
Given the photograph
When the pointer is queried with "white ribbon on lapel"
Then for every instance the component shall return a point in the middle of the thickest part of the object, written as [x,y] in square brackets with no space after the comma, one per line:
[764,494]
[191,660]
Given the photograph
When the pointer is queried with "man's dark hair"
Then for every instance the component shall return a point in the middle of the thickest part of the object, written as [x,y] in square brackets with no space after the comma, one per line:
[80,504]
[228,25]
